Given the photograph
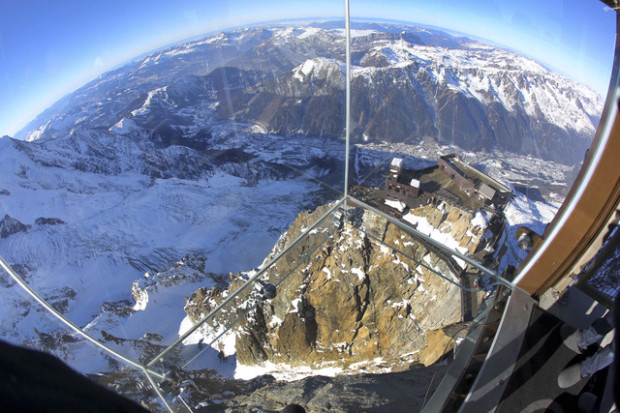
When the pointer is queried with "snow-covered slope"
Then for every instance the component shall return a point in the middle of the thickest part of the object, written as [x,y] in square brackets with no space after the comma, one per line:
[493,75]
[522,211]
[99,210]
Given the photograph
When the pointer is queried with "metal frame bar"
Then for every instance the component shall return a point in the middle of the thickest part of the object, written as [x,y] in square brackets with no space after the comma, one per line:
[462,357]
[491,381]
[347,138]
[157,390]
[433,242]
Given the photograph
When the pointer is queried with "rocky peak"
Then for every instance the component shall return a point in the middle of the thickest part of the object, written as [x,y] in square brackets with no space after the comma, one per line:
[355,302]
[10,226]
[48,221]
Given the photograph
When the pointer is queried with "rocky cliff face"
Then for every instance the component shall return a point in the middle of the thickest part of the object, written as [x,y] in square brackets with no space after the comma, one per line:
[10,226]
[356,302]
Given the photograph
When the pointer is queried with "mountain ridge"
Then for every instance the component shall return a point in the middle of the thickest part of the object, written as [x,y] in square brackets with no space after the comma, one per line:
[409,84]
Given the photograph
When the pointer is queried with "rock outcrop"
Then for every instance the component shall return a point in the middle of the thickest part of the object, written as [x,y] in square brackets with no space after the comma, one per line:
[10,226]
[190,268]
[48,221]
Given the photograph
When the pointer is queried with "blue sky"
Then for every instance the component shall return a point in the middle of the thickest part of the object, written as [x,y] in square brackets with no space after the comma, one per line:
[48,49]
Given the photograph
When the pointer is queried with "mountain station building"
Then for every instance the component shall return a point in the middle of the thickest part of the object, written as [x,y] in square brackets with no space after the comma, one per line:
[452,180]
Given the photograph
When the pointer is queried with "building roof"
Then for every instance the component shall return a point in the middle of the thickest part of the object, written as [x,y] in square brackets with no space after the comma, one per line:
[399,205]
[397,162]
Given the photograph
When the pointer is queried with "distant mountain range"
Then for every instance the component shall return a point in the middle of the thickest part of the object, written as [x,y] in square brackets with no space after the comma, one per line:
[409,84]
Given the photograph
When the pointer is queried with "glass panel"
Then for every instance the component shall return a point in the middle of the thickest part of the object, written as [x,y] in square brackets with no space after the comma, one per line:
[515,90]
[189,142]
[470,123]
[171,182]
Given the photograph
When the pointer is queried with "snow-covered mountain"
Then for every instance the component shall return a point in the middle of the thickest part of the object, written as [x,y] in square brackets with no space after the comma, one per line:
[209,149]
